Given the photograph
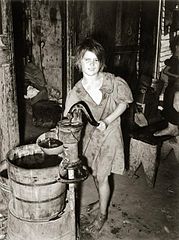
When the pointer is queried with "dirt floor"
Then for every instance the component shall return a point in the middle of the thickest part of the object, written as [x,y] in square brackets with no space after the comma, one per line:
[136,211]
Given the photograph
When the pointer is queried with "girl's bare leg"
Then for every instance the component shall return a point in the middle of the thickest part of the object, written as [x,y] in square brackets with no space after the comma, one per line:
[104,194]
[172,130]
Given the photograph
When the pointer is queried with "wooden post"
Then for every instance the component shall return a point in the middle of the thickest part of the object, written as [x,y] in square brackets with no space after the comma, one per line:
[9,126]
[69,42]
[72,203]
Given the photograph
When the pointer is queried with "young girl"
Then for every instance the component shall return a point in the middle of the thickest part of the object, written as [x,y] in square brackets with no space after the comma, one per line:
[107,97]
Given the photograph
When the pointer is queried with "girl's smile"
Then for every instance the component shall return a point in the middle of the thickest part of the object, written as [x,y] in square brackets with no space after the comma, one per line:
[90,64]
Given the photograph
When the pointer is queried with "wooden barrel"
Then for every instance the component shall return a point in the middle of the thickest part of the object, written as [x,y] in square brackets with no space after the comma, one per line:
[55,229]
[33,179]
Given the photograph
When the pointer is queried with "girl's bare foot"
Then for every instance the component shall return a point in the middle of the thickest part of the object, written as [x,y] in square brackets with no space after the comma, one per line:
[95,227]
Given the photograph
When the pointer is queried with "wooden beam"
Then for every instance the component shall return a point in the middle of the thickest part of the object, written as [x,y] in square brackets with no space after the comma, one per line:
[9,127]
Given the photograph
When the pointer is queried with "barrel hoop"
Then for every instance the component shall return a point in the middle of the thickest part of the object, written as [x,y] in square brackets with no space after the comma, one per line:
[39,184]
[44,201]
[52,218]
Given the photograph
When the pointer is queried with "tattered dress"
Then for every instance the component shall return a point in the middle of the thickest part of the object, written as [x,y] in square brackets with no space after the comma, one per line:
[104,150]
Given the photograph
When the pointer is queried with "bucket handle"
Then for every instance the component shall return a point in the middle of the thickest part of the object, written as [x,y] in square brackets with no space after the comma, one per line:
[4,186]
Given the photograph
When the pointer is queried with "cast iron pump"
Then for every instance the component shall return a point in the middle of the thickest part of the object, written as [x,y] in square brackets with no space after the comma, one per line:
[71,169]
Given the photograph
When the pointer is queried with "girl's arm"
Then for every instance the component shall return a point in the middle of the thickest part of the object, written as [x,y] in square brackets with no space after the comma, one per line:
[117,112]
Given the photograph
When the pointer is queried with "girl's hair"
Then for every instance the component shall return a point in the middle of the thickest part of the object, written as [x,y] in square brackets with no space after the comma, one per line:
[91,45]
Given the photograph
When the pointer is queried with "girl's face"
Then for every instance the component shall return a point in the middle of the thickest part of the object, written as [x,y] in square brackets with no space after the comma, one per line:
[90,64]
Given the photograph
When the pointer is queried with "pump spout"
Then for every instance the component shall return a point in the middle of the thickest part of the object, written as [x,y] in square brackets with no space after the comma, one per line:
[75,111]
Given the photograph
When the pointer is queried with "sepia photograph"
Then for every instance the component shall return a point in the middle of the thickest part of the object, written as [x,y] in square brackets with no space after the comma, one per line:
[89,119]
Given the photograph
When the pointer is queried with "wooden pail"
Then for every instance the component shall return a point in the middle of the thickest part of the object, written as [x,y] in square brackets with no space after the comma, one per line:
[33,180]
[56,229]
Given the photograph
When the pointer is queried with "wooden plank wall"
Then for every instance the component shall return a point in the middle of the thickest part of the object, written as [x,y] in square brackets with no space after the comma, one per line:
[165,51]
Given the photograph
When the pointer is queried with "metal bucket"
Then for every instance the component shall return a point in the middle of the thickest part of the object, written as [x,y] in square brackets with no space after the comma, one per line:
[33,181]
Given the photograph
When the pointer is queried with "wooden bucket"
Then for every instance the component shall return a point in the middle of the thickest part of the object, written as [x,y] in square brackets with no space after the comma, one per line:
[33,179]
[56,229]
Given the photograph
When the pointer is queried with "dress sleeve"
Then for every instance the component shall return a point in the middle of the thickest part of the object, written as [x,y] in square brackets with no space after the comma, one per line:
[122,92]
